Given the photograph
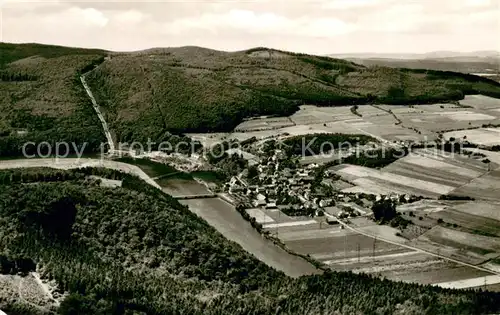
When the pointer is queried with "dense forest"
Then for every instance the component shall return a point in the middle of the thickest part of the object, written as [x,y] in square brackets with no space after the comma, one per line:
[43,102]
[136,250]
[159,94]
[193,89]
[14,52]
[325,143]
[376,158]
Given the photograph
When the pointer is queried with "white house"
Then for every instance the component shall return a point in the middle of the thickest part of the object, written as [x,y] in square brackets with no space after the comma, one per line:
[259,203]
[260,197]
[325,203]
[271,205]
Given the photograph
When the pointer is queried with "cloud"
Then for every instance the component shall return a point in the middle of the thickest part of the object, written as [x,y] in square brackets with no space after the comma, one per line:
[260,23]
[129,17]
[477,3]
[90,16]
[399,18]
[315,26]
[349,4]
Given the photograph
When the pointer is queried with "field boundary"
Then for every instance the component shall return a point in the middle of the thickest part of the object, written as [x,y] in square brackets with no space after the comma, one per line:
[259,227]
[418,249]
[471,181]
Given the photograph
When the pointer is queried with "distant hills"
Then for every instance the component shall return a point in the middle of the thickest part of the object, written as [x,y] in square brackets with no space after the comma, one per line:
[430,55]
[152,93]
[478,62]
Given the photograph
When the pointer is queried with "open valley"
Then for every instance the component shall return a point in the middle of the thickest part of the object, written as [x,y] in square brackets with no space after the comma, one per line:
[190,180]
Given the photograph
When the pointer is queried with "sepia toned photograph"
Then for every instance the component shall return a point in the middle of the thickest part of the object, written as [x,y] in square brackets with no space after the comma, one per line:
[319,157]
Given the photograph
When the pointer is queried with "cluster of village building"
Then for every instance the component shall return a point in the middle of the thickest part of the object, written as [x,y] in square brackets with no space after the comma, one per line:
[275,187]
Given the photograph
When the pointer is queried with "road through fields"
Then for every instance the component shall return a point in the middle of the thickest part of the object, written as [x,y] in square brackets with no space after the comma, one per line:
[416,249]
[71,163]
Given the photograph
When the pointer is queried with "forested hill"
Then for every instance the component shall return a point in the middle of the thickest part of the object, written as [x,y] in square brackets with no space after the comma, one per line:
[42,99]
[135,250]
[198,89]
[153,93]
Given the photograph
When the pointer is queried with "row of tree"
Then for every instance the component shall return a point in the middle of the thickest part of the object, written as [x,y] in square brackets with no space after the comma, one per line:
[9,76]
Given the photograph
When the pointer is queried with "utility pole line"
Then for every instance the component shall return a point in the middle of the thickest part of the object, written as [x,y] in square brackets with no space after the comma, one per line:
[345,250]
[277,225]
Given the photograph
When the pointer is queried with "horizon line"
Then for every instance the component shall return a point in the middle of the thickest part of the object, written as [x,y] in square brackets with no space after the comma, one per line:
[263,47]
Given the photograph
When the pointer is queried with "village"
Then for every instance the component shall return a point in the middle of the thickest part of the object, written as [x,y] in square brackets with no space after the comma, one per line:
[280,182]
[325,209]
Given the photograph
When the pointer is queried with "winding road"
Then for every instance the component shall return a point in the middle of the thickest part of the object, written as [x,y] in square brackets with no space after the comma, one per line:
[72,163]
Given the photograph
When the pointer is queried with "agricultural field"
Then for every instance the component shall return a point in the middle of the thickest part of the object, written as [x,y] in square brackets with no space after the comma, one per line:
[472,112]
[259,215]
[476,217]
[345,249]
[438,271]
[425,172]
[418,122]
[481,102]
[481,209]
[264,124]
[311,119]
[480,282]
[322,158]
[430,119]
[468,231]
[493,287]
[309,115]
[379,121]
[467,247]
[481,136]
[373,122]
[485,187]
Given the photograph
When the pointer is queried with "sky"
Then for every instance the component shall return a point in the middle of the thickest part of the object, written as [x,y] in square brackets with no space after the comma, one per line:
[310,26]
